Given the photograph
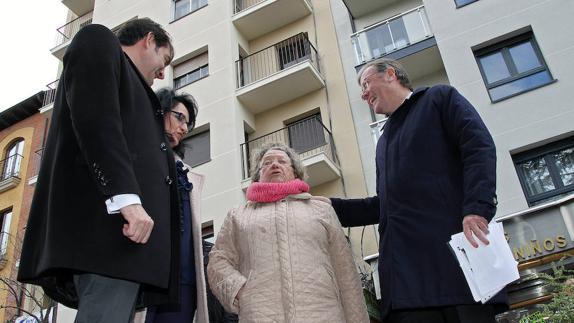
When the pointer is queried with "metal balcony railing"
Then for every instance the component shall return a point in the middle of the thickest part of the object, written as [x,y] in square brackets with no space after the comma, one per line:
[37,161]
[10,167]
[377,129]
[50,95]
[308,137]
[241,5]
[387,36]
[275,58]
[69,30]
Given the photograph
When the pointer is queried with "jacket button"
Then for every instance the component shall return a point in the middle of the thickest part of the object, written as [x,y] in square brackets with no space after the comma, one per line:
[163,146]
[168,180]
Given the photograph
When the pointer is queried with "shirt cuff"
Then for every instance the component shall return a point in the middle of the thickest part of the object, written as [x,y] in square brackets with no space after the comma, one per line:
[116,202]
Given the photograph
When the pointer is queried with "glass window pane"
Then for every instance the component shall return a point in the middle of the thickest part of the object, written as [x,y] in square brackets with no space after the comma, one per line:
[524,57]
[379,40]
[536,176]
[197,149]
[415,26]
[181,8]
[204,70]
[565,163]
[194,76]
[494,67]
[399,33]
[463,2]
[520,85]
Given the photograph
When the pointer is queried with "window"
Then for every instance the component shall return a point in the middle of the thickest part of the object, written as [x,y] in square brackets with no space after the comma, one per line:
[547,173]
[293,50]
[190,71]
[197,149]
[306,134]
[513,67]
[5,220]
[184,7]
[12,160]
[461,3]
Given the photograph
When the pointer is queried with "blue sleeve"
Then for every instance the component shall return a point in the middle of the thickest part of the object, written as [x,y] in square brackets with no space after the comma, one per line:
[467,131]
[357,212]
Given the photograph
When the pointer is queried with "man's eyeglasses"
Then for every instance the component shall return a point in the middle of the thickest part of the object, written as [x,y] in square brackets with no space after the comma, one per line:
[181,119]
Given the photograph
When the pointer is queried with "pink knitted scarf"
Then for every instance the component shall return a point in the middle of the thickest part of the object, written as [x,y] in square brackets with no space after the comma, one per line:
[271,192]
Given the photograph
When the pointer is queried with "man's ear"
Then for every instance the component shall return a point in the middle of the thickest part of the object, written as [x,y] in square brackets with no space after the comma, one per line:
[390,74]
[149,40]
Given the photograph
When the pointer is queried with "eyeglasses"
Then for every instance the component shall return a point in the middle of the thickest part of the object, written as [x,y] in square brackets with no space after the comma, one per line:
[366,81]
[268,162]
[180,117]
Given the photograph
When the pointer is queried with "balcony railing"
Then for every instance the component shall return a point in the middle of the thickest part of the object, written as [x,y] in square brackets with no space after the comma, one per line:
[241,5]
[37,161]
[275,58]
[50,95]
[377,129]
[10,167]
[392,34]
[308,137]
[69,30]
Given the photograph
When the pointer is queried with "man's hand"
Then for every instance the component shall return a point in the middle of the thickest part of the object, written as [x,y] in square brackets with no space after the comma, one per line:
[476,224]
[139,226]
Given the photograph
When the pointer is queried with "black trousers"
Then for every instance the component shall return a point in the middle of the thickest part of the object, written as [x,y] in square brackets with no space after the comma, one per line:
[447,314]
[180,313]
[104,299]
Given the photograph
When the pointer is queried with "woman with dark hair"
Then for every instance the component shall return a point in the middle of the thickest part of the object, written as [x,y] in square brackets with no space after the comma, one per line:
[283,256]
[180,111]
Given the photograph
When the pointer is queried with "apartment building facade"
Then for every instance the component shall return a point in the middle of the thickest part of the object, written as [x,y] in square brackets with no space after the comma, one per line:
[22,132]
[513,61]
[261,71]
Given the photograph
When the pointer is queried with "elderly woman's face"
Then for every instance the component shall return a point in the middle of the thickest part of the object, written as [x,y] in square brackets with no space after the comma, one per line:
[276,167]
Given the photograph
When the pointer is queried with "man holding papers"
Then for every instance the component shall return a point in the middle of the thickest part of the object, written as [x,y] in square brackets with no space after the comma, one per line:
[436,176]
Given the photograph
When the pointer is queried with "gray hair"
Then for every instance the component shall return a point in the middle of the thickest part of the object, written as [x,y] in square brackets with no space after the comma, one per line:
[298,169]
[382,65]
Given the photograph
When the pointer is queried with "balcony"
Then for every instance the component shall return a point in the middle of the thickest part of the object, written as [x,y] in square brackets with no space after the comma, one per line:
[10,172]
[67,32]
[254,18]
[408,30]
[263,77]
[310,139]
[359,8]
[36,162]
[377,129]
[79,7]
[49,96]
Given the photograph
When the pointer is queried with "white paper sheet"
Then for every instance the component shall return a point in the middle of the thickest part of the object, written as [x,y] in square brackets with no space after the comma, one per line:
[488,268]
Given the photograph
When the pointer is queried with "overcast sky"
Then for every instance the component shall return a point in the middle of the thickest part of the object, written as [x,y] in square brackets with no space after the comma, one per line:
[28,34]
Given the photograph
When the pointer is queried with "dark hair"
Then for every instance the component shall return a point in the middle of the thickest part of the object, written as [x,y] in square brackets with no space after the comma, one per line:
[136,29]
[382,65]
[168,99]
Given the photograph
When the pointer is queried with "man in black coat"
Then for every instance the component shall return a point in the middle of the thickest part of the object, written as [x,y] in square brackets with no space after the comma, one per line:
[103,225]
[436,176]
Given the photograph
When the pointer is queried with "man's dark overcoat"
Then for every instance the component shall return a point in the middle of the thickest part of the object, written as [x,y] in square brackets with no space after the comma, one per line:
[436,163]
[106,138]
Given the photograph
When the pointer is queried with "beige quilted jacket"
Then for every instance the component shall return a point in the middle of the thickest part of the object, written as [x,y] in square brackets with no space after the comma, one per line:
[292,260]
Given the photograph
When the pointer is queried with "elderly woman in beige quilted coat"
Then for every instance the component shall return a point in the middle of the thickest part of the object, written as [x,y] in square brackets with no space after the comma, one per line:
[283,256]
